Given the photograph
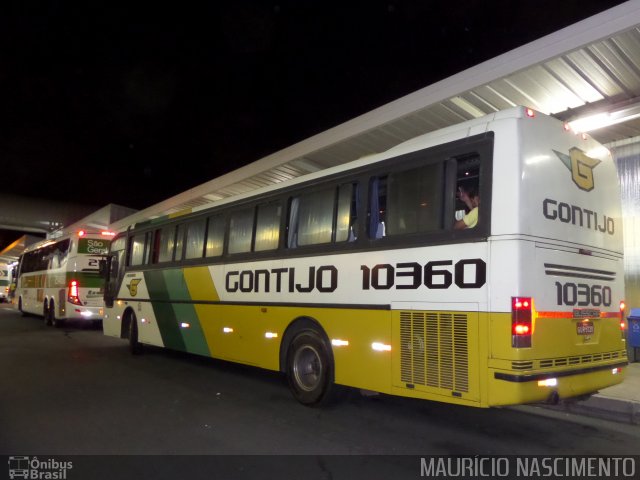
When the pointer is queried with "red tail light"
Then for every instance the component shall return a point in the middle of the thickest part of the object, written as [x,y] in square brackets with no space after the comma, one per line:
[521,322]
[73,295]
[623,323]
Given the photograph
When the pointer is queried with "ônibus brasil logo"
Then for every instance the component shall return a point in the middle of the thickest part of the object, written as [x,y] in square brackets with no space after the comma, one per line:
[33,468]
[581,167]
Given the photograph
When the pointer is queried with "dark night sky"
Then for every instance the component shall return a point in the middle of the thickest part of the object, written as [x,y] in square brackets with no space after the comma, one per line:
[135,102]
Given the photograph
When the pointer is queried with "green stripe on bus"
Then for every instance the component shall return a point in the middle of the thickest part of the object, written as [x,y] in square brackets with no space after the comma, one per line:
[165,316]
[85,279]
[192,334]
[185,314]
[178,322]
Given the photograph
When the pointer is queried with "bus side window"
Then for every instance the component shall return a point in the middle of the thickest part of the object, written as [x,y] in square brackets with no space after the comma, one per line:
[467,181]
[267,227]
[323,216]
[195,239]
[292,226]
[346,222]
[311,218]
[215,236]
[59,253]
[414,200]
[166,243]
[180,232]
[241,231]
[377,207]
[136,254]
[155,250]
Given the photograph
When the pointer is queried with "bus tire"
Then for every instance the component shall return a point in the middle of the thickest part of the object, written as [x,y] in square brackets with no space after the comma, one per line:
[309,368]
[45,313]
[135,347]
[22,312]
[57,323]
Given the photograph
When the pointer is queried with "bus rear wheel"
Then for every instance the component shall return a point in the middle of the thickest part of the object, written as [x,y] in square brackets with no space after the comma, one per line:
[52,316]
[310,368]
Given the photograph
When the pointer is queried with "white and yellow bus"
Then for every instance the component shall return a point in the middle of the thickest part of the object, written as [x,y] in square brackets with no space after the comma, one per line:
[60,279]
[356,275]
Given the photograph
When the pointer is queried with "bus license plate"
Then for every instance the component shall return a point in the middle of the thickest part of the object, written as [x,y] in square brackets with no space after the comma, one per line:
[585,328]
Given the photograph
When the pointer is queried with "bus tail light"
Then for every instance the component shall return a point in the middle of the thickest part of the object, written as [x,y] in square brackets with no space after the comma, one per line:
[521,322]
[73,294]
[623,323]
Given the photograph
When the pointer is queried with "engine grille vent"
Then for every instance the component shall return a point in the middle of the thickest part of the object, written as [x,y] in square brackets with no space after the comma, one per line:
[580,359]
[435,350]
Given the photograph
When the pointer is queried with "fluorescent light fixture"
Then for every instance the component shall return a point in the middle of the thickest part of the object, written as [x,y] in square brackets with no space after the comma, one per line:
[467,107]
[596,121]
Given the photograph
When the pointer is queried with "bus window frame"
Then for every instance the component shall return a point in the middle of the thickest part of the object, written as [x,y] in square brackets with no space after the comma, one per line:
[481,144]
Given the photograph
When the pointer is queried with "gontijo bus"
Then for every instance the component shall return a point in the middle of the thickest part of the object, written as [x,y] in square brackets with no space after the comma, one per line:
[354,276]
[59,278]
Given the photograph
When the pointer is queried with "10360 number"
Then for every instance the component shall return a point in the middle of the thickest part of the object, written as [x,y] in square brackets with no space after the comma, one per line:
[582,294]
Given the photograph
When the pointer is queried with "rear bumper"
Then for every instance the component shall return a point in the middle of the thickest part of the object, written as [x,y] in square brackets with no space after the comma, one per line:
[509,388]
[82,313]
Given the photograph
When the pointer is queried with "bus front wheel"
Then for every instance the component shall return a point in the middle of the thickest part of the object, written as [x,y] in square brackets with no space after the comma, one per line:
[46,313]
[22,312]
[310,368]
[135,347]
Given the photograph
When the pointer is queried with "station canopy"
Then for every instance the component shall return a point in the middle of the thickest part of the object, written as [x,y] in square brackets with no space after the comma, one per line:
[585,73]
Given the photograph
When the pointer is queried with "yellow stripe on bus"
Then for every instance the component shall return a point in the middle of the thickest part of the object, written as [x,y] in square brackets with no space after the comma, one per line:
[200,284]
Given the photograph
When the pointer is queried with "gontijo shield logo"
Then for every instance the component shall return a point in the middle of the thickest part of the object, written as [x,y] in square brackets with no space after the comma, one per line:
[581,167]
[133,286]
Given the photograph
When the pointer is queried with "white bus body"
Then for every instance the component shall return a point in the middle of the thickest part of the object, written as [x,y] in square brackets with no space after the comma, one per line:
[522,308]
[59,278]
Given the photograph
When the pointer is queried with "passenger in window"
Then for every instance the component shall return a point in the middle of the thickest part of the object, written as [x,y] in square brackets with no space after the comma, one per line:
[471,199]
